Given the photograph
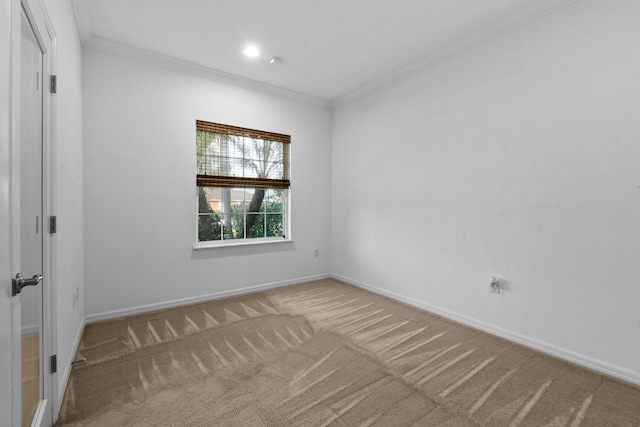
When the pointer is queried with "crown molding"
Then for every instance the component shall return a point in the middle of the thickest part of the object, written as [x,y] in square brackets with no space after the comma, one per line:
[534,13]
[89,41]
[186,67]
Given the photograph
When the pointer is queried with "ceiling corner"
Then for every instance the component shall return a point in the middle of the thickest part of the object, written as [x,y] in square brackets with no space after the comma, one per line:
[83,21]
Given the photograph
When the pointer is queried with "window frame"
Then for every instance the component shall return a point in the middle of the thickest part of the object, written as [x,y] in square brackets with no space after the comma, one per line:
[235,182]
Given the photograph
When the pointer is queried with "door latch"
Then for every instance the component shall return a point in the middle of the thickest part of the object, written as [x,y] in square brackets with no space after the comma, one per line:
[20,282]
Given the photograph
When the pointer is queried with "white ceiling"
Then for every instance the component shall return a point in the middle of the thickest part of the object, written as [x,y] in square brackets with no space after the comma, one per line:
[331,50]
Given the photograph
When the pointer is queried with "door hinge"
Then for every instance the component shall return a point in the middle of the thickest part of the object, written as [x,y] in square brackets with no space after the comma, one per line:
[54,363]
[54,83]
[53,224]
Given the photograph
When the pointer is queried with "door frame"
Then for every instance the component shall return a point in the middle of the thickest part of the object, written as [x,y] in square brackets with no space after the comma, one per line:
[43,28]
[7,374]
[10,331]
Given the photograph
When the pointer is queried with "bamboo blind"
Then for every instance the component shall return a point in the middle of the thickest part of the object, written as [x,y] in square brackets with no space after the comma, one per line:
[226,177]
[238,131]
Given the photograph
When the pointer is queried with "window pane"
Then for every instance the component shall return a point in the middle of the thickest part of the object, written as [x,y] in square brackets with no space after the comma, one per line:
[255,203]
[273,225]
[273,201]
[239,213]
[208,227]
[240,196]
[255,226]
[234,226]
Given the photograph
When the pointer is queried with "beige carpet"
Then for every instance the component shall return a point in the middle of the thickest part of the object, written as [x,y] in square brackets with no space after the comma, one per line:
[325,353]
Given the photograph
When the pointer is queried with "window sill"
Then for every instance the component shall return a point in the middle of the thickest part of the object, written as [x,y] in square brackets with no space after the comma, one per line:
[209,245]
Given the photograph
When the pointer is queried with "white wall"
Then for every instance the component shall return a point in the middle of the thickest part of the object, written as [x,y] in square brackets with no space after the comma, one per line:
[140,188]
[69,177]
[519,159]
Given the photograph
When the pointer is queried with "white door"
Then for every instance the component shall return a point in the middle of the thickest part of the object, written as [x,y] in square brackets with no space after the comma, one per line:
[31,224]
[26,136]
[31,298]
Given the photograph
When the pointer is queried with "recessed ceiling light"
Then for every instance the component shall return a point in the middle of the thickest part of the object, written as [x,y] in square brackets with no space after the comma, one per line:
[251,51]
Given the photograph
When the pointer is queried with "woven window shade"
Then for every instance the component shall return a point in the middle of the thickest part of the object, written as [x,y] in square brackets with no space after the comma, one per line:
[231,156]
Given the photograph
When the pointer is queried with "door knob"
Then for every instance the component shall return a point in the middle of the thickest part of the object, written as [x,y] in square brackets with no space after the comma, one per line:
[20,282]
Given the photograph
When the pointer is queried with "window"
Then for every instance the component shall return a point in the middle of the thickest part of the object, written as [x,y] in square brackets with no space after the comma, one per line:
[243,184]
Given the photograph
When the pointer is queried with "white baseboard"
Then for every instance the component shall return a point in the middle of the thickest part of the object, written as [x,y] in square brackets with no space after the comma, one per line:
[64,376]
[559,352]
[109,315]
[38,418]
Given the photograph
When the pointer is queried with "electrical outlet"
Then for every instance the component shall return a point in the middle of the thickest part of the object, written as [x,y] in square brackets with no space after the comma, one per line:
[316,253]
